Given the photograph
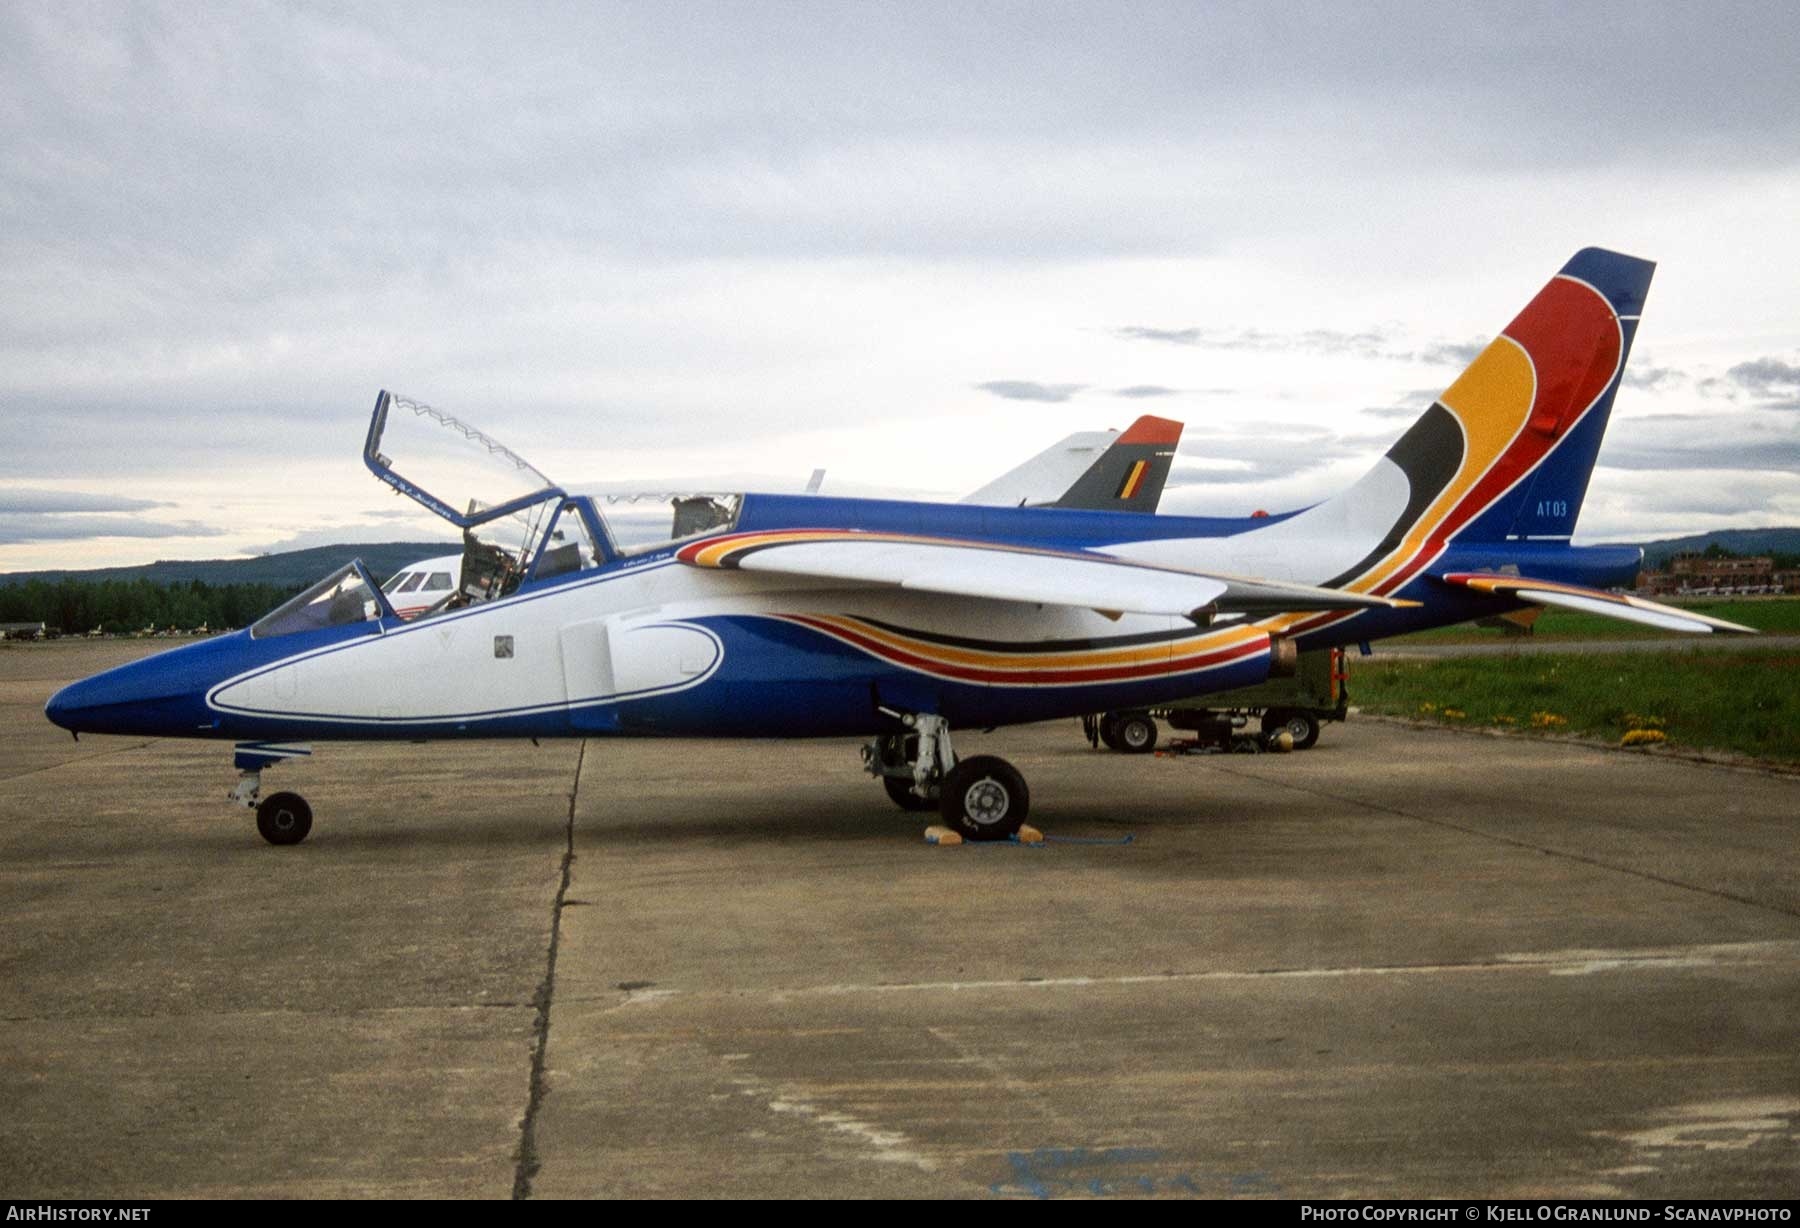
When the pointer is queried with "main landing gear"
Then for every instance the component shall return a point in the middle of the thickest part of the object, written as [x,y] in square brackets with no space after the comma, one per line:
[281,818]
[983,798]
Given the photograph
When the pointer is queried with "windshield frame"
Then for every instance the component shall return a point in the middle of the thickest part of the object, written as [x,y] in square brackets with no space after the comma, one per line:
[604,553]
[384,611]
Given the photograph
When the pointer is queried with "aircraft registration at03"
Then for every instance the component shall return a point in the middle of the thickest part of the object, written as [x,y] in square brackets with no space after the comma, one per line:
[756,615]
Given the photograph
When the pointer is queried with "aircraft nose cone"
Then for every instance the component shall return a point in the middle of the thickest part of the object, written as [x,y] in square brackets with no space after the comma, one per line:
[61,708]
[71,704]
[160,695]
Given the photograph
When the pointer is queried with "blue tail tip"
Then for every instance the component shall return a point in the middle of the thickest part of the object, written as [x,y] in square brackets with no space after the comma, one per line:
[1624,280]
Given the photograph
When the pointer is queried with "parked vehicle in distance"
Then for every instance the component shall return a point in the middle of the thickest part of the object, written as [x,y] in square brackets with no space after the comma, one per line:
[1246,719]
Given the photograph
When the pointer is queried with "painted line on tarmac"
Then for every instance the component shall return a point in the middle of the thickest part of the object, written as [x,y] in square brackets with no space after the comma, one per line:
[1576,962]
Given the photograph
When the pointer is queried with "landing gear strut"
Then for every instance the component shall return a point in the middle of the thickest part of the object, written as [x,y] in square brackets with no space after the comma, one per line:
[983,798]
[281,818]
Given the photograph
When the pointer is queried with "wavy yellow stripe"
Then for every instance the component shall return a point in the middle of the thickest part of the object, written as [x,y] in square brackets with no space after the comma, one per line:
[1085,658]
[1492,400]
[714,555]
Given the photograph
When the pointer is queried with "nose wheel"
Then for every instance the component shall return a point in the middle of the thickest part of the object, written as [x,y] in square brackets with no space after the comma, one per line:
[283,818]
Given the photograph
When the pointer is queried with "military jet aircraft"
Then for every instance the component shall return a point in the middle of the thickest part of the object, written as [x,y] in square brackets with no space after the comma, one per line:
[745,615]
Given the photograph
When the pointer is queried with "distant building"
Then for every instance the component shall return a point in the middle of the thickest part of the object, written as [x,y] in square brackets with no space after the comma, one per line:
[1701,574]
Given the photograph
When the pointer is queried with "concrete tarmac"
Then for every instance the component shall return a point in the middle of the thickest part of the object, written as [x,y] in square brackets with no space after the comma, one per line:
[1406,963]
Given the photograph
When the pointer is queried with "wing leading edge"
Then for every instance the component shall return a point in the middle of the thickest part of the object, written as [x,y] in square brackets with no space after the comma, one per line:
[1595,601]
[1012,573]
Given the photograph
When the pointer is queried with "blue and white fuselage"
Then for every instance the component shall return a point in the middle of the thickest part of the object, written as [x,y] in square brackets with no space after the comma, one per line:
[802,616]
[649,644]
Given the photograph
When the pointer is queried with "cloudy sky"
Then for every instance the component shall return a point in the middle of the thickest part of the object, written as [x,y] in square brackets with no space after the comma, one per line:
[908,243]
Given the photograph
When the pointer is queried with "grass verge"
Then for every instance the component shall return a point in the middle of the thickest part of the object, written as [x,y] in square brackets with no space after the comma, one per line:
[1770,615]
[1747,702]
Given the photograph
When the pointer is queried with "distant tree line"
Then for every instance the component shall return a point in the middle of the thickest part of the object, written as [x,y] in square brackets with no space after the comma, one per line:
[77,606]
[1781,559]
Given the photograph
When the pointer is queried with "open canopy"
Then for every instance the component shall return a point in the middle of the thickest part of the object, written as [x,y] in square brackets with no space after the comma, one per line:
[447,465]
[517,524]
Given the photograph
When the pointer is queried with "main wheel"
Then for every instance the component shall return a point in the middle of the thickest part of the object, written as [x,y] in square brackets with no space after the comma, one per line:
[1109,731]
[984,798]
[899,791]
[1303,725]
[1136,733]
[283,818]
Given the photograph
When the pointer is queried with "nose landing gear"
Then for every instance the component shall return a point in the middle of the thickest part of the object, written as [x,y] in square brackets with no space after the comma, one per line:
[281,818]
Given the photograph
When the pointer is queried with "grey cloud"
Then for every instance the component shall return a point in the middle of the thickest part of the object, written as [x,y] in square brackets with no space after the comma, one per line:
[1139,391]
[1774,456]
[1409,405]
[1452,353]
[20,500]
[1174,336]
[83,438]
[1030,390]
[1368,343]
[18,529]
[1715,493]
[1644,375]
[1316,340]
[224,149]
[1634,505]
[355,534]
[1742,441]
[1769,377]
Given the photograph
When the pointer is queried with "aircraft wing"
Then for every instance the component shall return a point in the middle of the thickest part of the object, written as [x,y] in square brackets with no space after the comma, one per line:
[1011,573]
[1594,601]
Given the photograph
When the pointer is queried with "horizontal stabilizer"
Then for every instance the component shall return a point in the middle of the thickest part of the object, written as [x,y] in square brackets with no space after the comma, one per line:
[1006,573]
[1595,601]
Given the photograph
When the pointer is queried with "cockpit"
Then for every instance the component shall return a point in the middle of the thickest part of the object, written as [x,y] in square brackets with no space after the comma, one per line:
[519,528]
[346,597]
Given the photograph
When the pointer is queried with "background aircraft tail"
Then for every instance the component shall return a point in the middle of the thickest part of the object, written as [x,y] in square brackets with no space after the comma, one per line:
[1096,471]
[1129,476]
[1505,453]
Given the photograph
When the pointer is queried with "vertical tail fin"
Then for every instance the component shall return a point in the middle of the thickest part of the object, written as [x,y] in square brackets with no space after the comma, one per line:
[1506,452]
[1129,476]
